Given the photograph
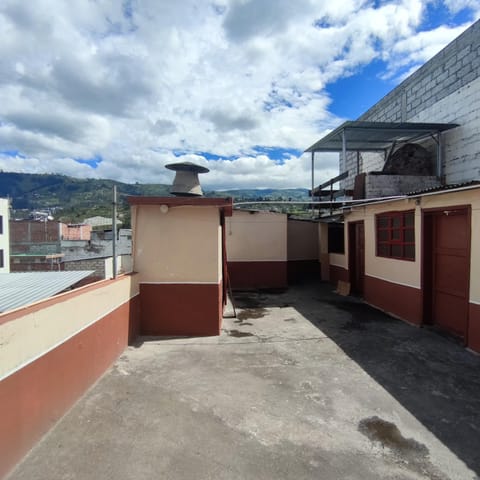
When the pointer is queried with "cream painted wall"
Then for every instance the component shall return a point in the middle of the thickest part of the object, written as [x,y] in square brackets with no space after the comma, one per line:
[302,240]
[338,260]
[181,245]
[406,272]
[33,334]
[465,197]
[322,238]
[256,236]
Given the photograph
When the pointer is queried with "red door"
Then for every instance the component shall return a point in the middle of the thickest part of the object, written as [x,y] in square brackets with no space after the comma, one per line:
[356,252]
[450,270]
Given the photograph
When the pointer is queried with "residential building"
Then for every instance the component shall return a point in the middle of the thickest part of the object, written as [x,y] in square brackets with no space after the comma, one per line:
[410,246]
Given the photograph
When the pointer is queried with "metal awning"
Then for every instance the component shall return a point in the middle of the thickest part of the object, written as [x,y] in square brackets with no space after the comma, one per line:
[375,136]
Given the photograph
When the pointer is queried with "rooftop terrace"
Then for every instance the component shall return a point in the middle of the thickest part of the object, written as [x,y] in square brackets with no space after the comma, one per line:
[304,384]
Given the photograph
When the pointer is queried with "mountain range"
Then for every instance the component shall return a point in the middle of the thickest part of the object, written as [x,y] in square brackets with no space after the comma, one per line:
[71,199]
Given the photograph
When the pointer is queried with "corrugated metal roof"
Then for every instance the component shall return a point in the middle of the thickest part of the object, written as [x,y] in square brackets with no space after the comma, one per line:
[374,136]
[24,288]
[440,188]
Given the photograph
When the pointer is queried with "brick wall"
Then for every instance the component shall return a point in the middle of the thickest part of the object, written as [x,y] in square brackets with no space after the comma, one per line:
[390,185]
[76,232]
[34,232]
[444,90]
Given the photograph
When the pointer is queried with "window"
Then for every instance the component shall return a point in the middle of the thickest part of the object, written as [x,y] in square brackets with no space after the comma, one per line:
[336,243]
[1,259]
[396,235]
[1,224]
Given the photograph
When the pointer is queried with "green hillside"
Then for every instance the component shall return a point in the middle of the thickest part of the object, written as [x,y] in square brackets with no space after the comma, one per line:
[71,199]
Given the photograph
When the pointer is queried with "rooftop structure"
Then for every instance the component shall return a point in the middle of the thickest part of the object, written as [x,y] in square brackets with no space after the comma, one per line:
[305,385]
[432,117]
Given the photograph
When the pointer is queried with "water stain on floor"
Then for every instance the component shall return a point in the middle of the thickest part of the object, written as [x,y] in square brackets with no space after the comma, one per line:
[249,313]
[388,434]
[238,333]
[412,453]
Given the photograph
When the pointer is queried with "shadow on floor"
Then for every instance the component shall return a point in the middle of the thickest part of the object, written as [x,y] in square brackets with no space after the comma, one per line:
[430,374]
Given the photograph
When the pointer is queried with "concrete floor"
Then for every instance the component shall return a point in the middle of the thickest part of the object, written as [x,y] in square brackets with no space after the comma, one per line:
[302,385]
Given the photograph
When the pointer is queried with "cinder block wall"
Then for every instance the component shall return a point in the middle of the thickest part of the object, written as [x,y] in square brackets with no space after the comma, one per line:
[444,90]
[97,264]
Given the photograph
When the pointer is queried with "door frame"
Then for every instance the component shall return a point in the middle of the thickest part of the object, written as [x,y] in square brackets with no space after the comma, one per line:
[426,264]
[353,255]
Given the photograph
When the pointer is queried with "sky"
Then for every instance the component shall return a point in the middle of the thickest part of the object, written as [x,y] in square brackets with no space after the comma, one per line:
[112,89]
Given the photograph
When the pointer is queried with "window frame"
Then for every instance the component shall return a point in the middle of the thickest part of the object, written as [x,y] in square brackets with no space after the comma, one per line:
[393,227]
[336,238]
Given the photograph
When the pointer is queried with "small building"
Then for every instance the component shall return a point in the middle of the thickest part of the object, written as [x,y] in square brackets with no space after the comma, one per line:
[418,258]
[77,231]
[179,255]
[256,246]
[101,223]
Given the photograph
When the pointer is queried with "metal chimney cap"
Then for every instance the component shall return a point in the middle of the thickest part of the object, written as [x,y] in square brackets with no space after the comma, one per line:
[187,167]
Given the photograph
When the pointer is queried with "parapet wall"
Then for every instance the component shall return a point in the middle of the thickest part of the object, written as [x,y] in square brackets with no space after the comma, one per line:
[53,351]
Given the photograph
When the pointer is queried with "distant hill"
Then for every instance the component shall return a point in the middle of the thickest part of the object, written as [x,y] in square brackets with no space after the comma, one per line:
[71,199]
[264,194]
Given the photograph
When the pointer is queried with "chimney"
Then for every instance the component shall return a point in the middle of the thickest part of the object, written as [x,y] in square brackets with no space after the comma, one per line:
[186,183]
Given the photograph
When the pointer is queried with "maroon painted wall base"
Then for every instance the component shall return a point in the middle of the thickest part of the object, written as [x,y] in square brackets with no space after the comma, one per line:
[258,274]
[474,327]
[181,309]
[301,270]
[338,273]
[399,300]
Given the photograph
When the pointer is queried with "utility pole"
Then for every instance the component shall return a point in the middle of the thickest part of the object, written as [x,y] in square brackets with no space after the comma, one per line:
[114,232]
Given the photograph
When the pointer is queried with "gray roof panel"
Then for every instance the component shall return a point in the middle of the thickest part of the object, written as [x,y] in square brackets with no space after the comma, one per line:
[23,288]
[374,136]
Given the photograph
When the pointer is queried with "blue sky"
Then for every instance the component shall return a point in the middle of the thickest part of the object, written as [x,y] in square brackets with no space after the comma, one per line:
[117,90]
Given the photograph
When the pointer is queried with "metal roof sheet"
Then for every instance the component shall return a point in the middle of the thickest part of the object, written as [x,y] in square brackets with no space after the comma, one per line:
[374,136]
[23,288]
[441,188]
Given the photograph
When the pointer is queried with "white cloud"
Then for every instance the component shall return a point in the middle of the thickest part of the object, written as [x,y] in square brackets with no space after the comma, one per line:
[135,81]
[414,51]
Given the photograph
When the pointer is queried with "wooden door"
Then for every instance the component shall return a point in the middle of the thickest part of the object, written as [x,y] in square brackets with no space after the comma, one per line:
[450,266]
[356,252]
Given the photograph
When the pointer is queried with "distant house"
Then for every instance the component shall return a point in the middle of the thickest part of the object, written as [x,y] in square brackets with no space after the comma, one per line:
[77,231]
[101,223]
[35,245]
